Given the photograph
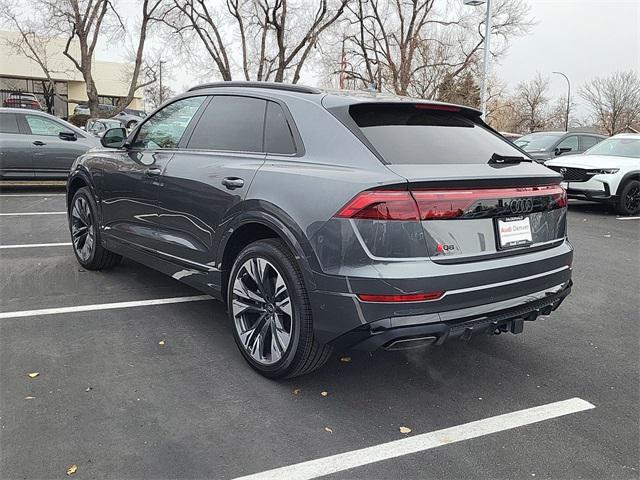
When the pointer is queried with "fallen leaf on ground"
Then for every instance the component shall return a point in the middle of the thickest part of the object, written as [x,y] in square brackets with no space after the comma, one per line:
[345,359]
[29,398]
[34,374]
[327,429]
[324,394]
[87,389]
[161,342]
[72,469]
[405,430]
[296,391]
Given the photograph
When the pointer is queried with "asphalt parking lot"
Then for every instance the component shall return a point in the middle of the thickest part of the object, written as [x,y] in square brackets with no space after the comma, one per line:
[115,402]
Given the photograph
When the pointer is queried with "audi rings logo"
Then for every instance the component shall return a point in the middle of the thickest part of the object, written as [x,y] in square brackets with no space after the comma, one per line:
[521,205]
[563,170]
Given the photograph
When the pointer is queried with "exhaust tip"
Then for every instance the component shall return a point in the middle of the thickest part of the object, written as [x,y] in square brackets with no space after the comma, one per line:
[410,343]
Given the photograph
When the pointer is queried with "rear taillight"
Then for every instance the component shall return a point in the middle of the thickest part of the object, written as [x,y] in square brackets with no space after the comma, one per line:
[438,204]
[443,204]
[381,205]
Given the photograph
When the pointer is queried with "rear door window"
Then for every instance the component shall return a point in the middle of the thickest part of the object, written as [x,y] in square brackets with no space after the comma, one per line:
[587,141]
[9,123]
[231,123]
[419,134]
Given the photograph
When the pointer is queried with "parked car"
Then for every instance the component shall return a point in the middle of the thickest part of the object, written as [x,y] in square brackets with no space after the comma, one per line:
[35,144]
[543,146]
[22,100]
[130,118]
[608,173]
[328,221]
[98,126]
[103,109]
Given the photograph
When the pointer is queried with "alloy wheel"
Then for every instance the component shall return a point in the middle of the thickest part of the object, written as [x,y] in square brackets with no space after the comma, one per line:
[262,311]
[82,228]
[632,199]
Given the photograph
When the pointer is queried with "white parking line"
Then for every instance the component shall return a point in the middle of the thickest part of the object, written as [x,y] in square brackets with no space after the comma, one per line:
[102,306]
[33,195]
[35,245]
[627,218]
[18,214]
[426,441]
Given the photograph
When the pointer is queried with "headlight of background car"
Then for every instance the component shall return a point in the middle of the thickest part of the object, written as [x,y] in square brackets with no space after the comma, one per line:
[603,171]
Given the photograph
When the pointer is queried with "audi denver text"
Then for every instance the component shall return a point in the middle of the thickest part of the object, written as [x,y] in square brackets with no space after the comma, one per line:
[328,221]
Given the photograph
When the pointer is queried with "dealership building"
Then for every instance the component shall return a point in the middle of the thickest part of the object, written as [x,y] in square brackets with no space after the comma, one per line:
[18,73]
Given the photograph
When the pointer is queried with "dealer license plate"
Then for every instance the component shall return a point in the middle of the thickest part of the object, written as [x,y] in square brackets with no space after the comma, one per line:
[514,232]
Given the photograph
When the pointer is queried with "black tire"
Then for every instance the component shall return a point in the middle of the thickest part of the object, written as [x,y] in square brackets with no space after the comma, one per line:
[90,253]
[303,353]
[629,199]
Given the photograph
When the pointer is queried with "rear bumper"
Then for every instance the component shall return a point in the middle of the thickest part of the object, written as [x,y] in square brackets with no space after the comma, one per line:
[473,291]
[401,333]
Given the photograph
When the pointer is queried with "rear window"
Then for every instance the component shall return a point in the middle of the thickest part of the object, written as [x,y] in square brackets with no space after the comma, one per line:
[413,134]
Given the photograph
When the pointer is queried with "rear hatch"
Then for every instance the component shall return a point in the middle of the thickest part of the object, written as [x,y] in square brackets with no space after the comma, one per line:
[478,196]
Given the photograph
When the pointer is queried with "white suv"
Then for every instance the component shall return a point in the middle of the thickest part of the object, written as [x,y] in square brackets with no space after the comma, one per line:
[608,172]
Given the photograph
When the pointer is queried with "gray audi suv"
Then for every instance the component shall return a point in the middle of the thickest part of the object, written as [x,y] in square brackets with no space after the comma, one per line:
[328,220]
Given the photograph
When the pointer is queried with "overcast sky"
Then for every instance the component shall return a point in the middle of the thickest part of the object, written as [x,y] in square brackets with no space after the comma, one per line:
[582,38]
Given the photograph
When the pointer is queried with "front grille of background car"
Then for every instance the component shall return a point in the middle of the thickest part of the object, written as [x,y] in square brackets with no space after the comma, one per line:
[573,174]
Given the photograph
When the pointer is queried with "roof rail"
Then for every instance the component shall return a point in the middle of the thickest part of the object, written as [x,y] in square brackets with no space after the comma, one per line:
[288,87]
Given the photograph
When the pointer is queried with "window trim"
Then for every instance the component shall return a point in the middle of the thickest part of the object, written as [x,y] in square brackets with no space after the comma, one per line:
[297,138]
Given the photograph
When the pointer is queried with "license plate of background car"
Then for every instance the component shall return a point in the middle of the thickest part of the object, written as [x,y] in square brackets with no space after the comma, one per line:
[514,232]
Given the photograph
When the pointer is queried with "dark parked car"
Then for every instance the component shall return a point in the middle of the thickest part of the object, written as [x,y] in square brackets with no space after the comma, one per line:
[22,100]
[328,221]
[38,145]
[543,146]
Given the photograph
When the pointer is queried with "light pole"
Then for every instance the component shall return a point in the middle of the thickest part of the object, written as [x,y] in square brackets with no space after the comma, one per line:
[487,51]
[566,120]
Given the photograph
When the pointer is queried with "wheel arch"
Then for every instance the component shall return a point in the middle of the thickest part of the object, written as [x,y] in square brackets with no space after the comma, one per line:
[633,175]
[252,225]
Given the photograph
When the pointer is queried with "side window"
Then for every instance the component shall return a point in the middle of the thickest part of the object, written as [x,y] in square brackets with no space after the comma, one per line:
[569,142]
[230,123]
[9,123]
[166,127]
[44,126]
[587,141]
[277,134]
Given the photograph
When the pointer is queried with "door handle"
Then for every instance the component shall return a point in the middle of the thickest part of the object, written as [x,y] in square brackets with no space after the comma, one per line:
[233,182]
[153,171]
[39,143]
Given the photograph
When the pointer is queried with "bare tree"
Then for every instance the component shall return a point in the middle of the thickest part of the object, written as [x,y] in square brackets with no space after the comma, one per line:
[83,23]
[412,47]
[531,102]
[614,100]
[274,37]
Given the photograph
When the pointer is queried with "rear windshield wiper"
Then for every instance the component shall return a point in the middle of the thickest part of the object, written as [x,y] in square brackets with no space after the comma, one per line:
[498,159]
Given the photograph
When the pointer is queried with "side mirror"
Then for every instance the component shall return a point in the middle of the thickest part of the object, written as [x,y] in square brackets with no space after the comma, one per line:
[68,136]
[561,150]
[114,138]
